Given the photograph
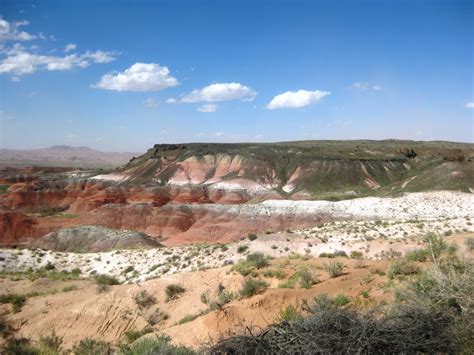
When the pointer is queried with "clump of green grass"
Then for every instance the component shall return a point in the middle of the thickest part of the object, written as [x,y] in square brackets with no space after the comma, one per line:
[253,261]
[242,248]
[91,346]
[290,314]
[104,281]
[252,286]
[188,318]
[159,345]
[173,291]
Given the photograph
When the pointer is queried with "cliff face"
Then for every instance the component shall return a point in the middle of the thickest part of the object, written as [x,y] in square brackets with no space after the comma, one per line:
[214,192]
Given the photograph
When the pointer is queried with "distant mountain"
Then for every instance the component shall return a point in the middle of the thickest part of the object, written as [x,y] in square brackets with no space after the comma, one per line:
[64,155]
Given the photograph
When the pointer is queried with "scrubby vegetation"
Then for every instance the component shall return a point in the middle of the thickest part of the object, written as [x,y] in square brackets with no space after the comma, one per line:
[334,268]
[17,301]
[251,287]
[173,291]
[157,345]
[144,300]
[252,262]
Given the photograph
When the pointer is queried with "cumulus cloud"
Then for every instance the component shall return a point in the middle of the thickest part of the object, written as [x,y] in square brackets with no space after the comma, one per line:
[220,92]
[296,99]
[139,77]
[208,108]
[70,47]
[172,101]
[20,61]
[150,103]
[10,31]
[469,105]
[365,86]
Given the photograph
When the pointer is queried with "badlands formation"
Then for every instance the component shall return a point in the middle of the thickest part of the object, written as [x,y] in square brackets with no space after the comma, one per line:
[166,241]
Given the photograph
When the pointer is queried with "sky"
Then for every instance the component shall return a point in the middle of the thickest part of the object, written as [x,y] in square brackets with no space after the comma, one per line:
[123,75]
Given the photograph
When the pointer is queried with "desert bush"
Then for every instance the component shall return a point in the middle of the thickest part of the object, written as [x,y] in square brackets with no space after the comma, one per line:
[49,266]
[469,243]
[421,255]
[356,255]
[436,245]
[21,346]
[144,300]
[157,316]
[50,345]
[402,268]
[188,318]
[242,248]
[251,287]
[91,346]
[17,301]
[258,259]
[104,282]
[151,346]
[69,288]
[252,236]
[133,335]
[334,268]
[306,278]
[290,314]
[340,300]
[173,291]
[341,331]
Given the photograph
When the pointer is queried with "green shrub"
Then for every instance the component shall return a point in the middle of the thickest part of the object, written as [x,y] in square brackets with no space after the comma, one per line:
[469,243]
[49,266]
[128,269]
[91,346]
[188,318]
[144,300]
[290,314]
[252,236]
[50,345]
[173,291]
[402,268]
[161,345]
[258,259]
[69,288]
[356,255]
[306,278]
[421,255]
[106,280]
[251,287]
[340,300]
[242,248]
[17,301]
[334,268]
[133,335]
[20,346]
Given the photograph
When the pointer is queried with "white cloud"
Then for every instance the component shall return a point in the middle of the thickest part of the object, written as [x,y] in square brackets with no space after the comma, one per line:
[171,101]
[220,134]
[9,31]
[208,108]
[150,103]
[139,77]
[20,61]
[296,99]
[469,105]
[70,47]
[365,86]
[220,92]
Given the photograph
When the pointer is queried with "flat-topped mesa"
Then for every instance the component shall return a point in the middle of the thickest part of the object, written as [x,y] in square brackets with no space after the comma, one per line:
[307,169]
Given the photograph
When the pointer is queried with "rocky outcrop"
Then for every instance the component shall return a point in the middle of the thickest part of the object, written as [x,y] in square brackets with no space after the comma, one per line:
[15,227]
[93,239]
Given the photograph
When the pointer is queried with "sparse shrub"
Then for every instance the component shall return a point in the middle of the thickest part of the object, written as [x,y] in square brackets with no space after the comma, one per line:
[69,288]
[469,243]
[252,236]
[17,301]
[258,259]
[20,346]
[242,248]
[173,291]
[49,266]
[159,345]
[306,278]
[188,318]
[436,245]
[326,255]
[356,255]
[334,268]
[104,282]
[133,335]
[287,284]
[50,345]
[340,300]
[144,300]
[128,269]
[420,255]
[91,346]
[157,316]
[290,314]
[402,268]
[364,294]
[251,287]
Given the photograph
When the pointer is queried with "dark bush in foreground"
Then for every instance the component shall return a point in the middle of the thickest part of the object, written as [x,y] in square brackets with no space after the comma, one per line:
[337,331]
[151,346]
[173,291]
[91,346]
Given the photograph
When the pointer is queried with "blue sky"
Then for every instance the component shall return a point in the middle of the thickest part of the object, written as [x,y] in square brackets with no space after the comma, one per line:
[122,75]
